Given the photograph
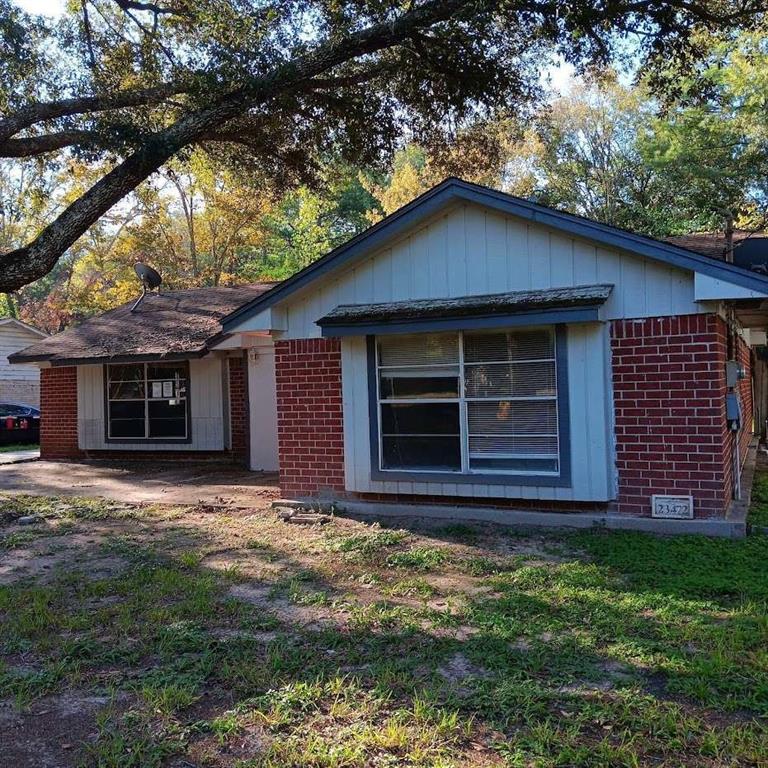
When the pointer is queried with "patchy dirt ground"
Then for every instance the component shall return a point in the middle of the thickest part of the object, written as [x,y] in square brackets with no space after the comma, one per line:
[141,482]
[207,635]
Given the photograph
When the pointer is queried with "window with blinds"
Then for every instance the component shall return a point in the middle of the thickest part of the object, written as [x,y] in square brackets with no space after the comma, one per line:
[472,402]
[147,401]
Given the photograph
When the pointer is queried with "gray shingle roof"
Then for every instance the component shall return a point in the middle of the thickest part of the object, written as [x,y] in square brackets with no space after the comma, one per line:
[165,325]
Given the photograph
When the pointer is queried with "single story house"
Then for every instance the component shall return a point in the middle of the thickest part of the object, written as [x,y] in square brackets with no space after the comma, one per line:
[472,350]
[18,383]
[159,381]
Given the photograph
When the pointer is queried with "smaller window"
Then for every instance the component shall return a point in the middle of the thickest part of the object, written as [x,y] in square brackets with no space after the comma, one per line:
[148,401]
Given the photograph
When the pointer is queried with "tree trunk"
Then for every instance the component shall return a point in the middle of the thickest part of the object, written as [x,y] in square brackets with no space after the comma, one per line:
[729,237]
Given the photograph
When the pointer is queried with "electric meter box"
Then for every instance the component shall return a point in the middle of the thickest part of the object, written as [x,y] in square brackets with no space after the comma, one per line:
[734,373]
[733,411]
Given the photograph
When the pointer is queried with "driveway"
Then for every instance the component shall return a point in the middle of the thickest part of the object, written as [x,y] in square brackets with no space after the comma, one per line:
[137,482]
[22,454]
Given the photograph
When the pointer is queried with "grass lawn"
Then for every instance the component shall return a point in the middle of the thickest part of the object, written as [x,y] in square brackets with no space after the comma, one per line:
[148,636]
[19,447]
[758,510]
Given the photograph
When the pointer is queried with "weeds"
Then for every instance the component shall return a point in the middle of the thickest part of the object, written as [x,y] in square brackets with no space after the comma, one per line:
[627,650]
[417,559]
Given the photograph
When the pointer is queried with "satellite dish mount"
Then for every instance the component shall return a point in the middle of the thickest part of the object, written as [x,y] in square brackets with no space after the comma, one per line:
[150,279]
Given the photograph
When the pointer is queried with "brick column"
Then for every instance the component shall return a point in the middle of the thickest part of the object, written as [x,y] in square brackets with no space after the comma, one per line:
[669,398]
[239,418]
[58,407]
[309,421]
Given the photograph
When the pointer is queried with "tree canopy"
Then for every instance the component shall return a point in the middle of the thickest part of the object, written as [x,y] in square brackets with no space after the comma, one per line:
[712,140]
[273,88]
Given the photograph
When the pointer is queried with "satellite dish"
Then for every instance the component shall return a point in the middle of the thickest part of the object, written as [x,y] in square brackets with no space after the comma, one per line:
[150,279]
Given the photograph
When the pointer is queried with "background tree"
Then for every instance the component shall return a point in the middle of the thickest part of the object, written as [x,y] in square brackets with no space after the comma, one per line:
[712,140]
[483,152]
[587,157]
[307,223]
[135,84]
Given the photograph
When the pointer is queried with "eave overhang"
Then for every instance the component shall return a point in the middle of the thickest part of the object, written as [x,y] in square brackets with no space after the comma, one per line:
[58,361]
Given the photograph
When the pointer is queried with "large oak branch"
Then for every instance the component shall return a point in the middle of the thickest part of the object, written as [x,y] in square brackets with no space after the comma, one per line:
[23,265]
[34,146]
[50,110]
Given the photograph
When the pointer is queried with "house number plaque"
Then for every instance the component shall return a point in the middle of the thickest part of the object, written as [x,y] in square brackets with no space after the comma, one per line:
[676,507]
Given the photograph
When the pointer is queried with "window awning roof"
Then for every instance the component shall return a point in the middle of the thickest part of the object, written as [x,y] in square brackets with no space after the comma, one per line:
[555,305]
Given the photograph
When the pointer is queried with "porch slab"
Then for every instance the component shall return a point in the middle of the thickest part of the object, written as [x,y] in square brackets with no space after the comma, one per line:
[518,518]
[135,482]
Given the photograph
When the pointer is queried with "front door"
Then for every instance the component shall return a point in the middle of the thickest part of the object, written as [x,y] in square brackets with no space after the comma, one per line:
[262,403]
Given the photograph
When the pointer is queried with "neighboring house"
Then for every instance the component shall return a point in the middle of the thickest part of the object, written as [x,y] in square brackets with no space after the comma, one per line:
[748,248]
[18,383]
[480,351]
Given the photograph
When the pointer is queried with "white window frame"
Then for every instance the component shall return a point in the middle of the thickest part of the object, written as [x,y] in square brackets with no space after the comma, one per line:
[462,400]
[146,400]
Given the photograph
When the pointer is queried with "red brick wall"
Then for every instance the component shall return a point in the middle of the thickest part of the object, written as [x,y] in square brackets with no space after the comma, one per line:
[669,399]
[309,416]
[58,408]
[239,418]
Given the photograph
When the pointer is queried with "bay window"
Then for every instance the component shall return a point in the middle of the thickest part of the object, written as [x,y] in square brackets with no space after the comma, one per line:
[469,403]
[147,401]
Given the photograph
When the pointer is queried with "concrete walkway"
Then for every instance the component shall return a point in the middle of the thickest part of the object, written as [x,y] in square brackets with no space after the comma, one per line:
[136,482]
[11,457]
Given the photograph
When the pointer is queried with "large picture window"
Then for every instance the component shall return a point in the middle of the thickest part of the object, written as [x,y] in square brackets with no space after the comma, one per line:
[475,402]
[148,401]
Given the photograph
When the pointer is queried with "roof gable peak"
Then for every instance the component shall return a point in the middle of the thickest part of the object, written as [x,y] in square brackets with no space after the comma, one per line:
[452,190]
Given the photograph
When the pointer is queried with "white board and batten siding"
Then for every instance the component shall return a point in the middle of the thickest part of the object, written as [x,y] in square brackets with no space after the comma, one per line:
[206,410]
[471,251]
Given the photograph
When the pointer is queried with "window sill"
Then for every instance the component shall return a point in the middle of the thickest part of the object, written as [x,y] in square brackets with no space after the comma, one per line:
[496,478]
[148,440]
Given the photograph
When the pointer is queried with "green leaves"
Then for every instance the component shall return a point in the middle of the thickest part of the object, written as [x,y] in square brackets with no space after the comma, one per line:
[712,141]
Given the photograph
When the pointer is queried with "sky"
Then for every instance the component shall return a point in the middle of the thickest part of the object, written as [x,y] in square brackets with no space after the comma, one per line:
[45,7]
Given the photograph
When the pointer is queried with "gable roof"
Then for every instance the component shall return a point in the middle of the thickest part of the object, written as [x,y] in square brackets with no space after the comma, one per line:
[454,190]
[12,322]
[167,325]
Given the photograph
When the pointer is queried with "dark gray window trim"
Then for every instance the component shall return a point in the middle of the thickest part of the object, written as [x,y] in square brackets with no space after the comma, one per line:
[563,480]
[452,191]
[151,441]
[430,325]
